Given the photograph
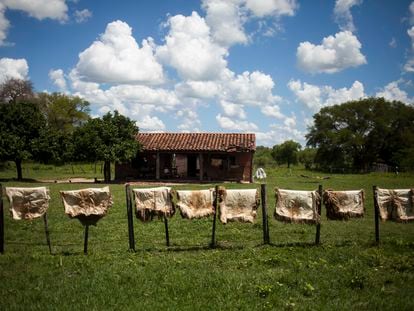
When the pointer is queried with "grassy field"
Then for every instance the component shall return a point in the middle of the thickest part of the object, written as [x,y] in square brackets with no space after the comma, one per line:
[347,271]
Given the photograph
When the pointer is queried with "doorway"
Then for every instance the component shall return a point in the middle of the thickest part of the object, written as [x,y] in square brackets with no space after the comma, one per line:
[192,165]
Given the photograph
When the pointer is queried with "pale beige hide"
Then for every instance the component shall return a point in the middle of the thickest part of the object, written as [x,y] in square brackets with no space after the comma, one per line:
[344,204]
[395,204]
[150,202]
[88,205]
[28,203]
[195,203]
[239,205]
[297,206]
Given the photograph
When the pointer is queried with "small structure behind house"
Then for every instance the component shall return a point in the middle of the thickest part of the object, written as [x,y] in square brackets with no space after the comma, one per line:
[191,157]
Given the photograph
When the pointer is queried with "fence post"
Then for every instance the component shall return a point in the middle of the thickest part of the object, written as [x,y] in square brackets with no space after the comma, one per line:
[47,232]
[376,214]
[318,225]
[167,235]
[85,242]
[131,236]
[266,238]
[1,221]
[215,205]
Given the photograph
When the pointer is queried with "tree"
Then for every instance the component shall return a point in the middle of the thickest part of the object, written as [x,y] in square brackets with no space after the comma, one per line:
[307,157]
[286,152]
[358,133]
[109,139]
[15,90]
[263,157]
[20,125]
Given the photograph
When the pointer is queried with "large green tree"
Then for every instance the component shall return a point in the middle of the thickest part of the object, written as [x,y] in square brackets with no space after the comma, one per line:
[358,133]
[110,138]
[286,152]
[20,124]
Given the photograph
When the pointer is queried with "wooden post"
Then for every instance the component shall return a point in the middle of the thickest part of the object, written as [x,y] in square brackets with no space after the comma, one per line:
[215,205]
[47,233]
[167,236]
[131,236]
[266,238]
[1,221]
[85,242]
[157,166]
[318,225]
[376,215]
[200,161]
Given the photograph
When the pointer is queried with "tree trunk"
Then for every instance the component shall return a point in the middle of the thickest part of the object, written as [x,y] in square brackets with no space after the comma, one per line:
[107,171]
[18,163]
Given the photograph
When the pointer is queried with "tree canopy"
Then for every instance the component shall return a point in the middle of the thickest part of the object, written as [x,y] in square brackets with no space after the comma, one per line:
[15,90]
[358,133]
[286,152]
[109,139]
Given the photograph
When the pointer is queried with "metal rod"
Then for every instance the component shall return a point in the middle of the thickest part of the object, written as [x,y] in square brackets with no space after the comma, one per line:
[167,236]
[131,236]
[47,232]
[318,225]
[266,238]
[1,221]
[215,206]
[85,243]
[376,215]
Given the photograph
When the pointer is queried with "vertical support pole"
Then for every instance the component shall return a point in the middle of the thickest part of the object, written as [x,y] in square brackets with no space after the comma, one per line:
[131,236]
[201,162]
[167,235]
[85,242]
[215,205]
[376,214]
[47,232]
[1,221]
[318,225]
[266,238]
[157,166]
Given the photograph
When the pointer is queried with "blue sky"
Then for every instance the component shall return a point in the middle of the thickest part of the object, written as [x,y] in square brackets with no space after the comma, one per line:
[262,66]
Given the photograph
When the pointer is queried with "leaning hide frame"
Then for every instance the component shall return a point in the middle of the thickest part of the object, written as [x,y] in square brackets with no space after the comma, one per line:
[391,198]
[316,199]
[28,203]
[222,200]
[147,214]
[333,205]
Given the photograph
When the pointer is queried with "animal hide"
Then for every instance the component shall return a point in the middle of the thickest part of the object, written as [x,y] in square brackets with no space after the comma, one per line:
[195,203]
[342,205]
[395,204]
[239,205]
[150,202]
[88,205]
[27,203]
[297,206]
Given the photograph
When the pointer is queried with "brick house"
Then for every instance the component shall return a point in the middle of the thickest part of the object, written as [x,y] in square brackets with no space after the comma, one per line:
[191,156]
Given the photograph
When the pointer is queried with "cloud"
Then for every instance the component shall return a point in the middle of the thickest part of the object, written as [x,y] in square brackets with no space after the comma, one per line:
[4,24]
[116,58]
[230,124]
[315,97]
[343,16]
[82,16]
[393,43]
[272,7]
[411,8]
[409,65]
[188,120]
[151,124]
[225,21]
[40,9]
[233,110]
[190,49]
[392,92]
[13,68]
[335,54]
[197,89]
[58,78]
[272,111]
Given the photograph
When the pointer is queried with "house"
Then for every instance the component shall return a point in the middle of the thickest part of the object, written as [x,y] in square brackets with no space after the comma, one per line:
[191,156]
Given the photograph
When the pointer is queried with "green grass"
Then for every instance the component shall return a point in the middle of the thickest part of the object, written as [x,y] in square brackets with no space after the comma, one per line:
[347,271]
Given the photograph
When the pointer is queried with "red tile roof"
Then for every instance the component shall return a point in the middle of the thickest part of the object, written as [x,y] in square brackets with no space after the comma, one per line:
[222,142]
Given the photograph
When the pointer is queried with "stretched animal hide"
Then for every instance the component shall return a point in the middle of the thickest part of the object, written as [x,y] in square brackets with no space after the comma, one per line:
[195,203]
[28,203]
[395,204]
[343,205]
[297,206]
[150,202]
[88,205]
[239,205]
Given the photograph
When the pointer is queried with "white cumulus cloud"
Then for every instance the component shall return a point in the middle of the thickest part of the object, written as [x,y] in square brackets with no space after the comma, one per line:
[315,97]
[13,68]
[409,65]
[233,110]
[40,9]
[235,125]
[335,54]
[116,58]
[58,78]
[148,123]
[343,16]
[82,15]
[272,111]
[272,7]
[392,92]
